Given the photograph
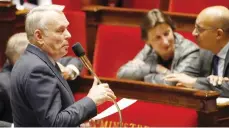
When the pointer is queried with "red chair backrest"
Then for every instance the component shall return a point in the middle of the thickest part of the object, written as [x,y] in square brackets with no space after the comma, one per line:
[69,4]
[141,4]
[77,28]
[115,45]
[194,6]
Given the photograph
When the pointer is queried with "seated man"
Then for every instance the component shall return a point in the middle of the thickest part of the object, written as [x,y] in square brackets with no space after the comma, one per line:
[165,52]
[16,45]
[212,33]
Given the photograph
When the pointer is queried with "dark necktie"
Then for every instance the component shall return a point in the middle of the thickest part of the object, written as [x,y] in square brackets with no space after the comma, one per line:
[57,67]
[215,65]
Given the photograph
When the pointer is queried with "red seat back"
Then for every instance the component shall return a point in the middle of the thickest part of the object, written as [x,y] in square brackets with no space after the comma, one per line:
[141,4]
[69,4]
[194,6]
[77,28]
[115,45]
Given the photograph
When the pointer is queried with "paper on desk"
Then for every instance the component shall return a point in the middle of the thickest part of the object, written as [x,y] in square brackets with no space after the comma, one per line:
[123,103]
[222,101]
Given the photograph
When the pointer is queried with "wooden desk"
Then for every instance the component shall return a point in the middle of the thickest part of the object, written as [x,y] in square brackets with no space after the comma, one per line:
[204,102]
[128,17]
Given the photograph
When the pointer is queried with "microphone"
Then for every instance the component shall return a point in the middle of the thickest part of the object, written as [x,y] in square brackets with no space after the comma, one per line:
[80,52]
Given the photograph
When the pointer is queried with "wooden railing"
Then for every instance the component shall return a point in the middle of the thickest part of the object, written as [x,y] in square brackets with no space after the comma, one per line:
[204,102]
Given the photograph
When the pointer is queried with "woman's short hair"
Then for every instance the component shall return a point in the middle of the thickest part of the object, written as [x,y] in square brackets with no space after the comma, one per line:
[152,19]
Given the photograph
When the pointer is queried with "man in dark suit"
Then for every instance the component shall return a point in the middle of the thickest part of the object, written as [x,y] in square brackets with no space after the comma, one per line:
[39,94]
[16,45]
[212,33]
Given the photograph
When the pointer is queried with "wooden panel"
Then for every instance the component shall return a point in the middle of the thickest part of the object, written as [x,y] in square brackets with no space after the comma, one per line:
[199,100]
[204,102]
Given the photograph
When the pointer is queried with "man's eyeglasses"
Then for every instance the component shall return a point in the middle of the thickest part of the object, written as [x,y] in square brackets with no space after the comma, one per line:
[199,29]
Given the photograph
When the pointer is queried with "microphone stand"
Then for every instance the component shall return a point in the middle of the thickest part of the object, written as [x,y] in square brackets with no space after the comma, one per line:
[88,65]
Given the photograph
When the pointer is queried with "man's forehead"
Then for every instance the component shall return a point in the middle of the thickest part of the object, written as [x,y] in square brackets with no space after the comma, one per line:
[58,19]
[204,21]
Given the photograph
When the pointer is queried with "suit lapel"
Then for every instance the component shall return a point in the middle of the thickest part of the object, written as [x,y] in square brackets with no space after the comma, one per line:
[226,65]
[45,58]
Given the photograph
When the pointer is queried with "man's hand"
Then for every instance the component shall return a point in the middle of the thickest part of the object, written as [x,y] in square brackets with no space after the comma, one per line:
[217,80]
[182,79]
[161,69]
[101,93]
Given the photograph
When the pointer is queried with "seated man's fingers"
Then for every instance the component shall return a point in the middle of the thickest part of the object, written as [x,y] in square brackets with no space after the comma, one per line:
[225,79]
[215,80]
[220,80]
[210,79]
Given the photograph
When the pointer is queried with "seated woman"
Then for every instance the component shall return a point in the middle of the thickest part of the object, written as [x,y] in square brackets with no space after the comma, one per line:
[165,52]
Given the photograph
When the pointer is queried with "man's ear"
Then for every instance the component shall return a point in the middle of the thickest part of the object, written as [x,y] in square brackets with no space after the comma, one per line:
[38,35]
[220,34]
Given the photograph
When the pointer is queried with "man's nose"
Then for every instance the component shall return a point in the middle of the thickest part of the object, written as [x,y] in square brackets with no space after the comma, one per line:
[67,34]
[194,32]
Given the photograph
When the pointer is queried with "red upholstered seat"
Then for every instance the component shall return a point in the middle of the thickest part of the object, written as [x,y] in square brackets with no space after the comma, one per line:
[69,4]
[115,45]
[194,6]
[77,28]
[141,4]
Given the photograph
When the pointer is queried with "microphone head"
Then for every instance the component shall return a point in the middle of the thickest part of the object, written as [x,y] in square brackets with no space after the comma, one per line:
[78,49]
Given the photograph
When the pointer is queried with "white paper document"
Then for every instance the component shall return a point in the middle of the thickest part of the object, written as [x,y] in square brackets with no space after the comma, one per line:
[123,103]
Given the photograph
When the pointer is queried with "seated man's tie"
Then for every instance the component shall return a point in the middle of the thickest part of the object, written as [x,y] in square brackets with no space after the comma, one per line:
[215,65]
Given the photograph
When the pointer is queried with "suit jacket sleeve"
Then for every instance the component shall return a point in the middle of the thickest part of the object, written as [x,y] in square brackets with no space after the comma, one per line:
[136,71]
[202,83]
[186,61]
[44,96]
[71,60]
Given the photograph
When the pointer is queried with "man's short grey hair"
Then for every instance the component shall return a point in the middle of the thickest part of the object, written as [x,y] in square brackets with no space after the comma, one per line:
[36,18]
[16,45]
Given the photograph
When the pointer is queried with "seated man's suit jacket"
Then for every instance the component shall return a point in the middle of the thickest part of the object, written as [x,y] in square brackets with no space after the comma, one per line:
[5,107]
[41,97]
[202,82]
